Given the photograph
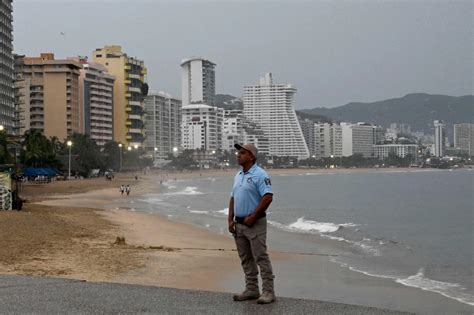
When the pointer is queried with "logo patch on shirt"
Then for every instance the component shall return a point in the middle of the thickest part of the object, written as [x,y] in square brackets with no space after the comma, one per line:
[249,180]
[267,181]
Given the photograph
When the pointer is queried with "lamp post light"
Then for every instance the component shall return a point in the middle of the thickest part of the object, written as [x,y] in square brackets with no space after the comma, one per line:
[69,144]
[120,149]
[1,127]
[135,146]
[154,153]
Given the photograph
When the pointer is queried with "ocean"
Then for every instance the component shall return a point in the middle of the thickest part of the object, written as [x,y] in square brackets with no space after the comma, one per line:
[414,227]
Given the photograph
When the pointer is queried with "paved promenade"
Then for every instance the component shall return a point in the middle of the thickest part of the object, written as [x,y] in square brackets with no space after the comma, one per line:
[20,295]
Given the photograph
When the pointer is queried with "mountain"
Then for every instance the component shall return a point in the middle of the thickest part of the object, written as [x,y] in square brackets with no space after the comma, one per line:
[228,101]
[418,110]
[314,117]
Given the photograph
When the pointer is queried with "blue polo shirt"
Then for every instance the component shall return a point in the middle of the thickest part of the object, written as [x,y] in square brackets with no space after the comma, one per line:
[249,188]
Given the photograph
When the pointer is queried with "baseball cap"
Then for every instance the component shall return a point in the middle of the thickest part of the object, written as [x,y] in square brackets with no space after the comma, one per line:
[249,147]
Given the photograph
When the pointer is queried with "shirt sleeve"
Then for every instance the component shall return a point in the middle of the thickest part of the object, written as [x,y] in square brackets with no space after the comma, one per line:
[233,187]
[264,184]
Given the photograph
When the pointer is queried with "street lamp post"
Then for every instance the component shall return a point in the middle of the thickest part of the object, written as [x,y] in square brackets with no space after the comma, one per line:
[69,144]
[120,165]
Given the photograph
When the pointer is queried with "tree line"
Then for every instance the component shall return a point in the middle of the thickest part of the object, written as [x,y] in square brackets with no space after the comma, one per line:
[37,150]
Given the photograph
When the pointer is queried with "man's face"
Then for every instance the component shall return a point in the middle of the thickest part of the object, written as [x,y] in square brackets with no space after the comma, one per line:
[244,157]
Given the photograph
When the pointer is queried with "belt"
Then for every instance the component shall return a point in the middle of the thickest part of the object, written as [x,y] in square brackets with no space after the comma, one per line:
[241,219]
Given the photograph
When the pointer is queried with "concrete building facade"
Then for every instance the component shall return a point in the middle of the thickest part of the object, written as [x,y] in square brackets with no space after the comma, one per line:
[401,150]
[7,76]
[49,91]
[198,82]
[271,107]
[130,90]
[96,87]
[163,124]
[359,138]
[201,127]
[464,138]
[440,138]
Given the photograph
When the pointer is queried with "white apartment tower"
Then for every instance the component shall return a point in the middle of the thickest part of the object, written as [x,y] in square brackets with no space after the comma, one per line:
[440,134]
[163,121]
[271,107]
[96,95]
[198,84]
[201,127]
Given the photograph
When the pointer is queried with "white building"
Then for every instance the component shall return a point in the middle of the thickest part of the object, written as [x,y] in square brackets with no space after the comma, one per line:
[359,138]
[440,141]
[464,138]
[231,129]
[201,127]
[271,106]
[401,150]
[163,124]
[236,128]
[96,99]
[198,81]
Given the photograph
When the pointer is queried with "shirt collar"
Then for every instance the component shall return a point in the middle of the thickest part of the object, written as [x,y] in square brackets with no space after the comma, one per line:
[250,171]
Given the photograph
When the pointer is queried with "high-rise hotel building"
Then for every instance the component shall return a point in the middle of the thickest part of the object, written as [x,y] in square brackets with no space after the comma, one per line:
[464,138]
[198,83]
[96,101]
[163,121]
[201,127]
[130,90]
[7,96]
[48,94]
[271,106]
[440,138]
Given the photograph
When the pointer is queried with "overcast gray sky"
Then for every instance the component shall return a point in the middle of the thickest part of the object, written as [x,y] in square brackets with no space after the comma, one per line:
[333,52]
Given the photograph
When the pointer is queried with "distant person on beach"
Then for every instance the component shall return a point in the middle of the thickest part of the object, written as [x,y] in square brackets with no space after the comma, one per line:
[122,189]
[251,195]
[128,189]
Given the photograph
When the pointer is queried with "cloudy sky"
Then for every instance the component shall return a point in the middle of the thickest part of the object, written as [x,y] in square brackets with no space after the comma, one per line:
[334,52]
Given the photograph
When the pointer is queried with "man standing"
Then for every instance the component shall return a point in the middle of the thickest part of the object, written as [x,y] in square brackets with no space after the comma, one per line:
[251,195]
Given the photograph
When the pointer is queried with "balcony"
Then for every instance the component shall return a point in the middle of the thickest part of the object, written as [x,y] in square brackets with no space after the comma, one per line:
[134,130]
[136,117]
[134,89]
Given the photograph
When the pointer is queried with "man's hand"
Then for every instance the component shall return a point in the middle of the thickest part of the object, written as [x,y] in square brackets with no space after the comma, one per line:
[232,227]
[250,220]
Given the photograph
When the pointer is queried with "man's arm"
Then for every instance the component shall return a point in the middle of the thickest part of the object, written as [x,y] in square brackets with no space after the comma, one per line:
[230,217]
[261,208]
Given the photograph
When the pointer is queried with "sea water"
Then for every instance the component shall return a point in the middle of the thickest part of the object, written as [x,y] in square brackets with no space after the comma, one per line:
[415,227]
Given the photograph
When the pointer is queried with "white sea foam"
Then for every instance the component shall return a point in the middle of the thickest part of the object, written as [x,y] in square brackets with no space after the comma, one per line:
[366,247]
[314,226]
[450,290]
[190,190]
[168,185]
[151,200]
[198,211]
[223,211]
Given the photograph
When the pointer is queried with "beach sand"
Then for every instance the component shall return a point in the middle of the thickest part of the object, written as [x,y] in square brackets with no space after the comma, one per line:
[64,231]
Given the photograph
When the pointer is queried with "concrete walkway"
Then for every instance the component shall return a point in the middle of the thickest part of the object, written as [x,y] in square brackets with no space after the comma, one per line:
[20,295]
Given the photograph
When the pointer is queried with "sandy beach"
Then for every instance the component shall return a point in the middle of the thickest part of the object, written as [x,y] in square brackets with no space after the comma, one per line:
[65,230]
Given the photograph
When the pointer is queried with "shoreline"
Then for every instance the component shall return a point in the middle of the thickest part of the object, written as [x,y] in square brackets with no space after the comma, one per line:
[178,263]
